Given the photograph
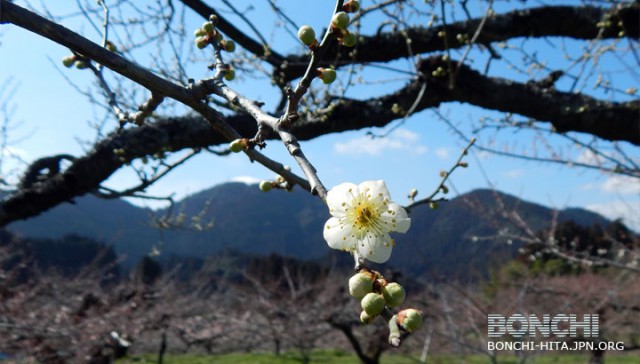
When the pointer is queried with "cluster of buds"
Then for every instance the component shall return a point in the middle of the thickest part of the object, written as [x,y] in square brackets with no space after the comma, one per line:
[339,24]
[376,295]
[279,182]
[73,60]
[208,34]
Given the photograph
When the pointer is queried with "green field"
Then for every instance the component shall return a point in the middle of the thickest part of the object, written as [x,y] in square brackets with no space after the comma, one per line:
[341,357]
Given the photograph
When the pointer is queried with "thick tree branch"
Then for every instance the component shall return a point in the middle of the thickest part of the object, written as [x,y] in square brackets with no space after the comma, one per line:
[547,21]
[565,111]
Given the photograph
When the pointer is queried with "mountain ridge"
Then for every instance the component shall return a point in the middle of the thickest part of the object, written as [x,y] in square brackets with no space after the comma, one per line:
[290,223]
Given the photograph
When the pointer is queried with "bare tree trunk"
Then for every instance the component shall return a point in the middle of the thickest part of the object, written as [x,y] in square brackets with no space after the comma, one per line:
[163,347]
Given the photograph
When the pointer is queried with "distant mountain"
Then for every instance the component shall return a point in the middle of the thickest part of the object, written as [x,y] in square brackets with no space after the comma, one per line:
[449,240]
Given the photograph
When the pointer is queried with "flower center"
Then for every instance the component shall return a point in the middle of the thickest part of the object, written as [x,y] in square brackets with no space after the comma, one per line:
[366,214]
[363,214]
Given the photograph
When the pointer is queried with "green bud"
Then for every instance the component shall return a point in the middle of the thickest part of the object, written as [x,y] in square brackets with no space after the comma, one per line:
[433,205]
[228,45]
[349,40]
[69,60]
[208,27]
[360,284]
[351,6]
[372,304]
[213,19]
[340,20]
[413,193]
[410,319]
[230,74]
[199,32]
[327,75]
[444,189]
[111,47]
[307,35]
[393,294]
[265,186]
[202,42]
[365,318]
[238,145]
[80,64]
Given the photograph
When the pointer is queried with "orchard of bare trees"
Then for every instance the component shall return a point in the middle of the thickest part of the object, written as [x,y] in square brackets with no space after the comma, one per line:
[166,82]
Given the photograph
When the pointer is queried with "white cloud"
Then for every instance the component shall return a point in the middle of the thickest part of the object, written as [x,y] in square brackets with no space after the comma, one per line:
[589,157]
[442,153]
[399,140]
[514,173]
[248,180]
[628,211]
[15,152]
[623,185]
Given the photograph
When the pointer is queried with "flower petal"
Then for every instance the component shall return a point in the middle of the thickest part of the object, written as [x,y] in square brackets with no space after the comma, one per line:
[376,189]
[403,222]
[375,248]
[337,235]
[339,197]
[395,218]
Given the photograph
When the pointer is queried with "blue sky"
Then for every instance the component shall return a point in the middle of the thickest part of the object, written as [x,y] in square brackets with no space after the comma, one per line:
[53,115]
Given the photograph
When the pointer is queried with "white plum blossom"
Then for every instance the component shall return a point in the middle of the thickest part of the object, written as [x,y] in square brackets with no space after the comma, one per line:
[362,218]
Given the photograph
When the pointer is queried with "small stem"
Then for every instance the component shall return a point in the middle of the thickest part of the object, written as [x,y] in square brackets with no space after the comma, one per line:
[291,113]
[448,173]
[395,338]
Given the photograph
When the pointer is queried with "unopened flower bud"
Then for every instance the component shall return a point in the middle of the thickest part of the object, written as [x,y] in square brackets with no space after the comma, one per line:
[410,319]
[349,40]
[327,75]
[433,205]
[202,42]
[238,145]
[340,20]
[69,60]
[199,32]
[80,64]
[307,35]
[213,19]
[351,6]
[444,189]
[365,318]
[230,74]
[463,164]
[111,47]
[372,304]
[228,45]
[360,284]
[413,193]
[393,294]
[265,186]
[208,27]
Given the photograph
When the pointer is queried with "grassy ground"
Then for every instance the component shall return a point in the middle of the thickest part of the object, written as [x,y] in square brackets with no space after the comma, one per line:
[340,357]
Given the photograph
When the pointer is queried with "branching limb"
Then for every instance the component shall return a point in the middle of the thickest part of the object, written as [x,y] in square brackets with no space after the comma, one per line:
[578,22]
[145,181]
[234,33]
[444,177]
